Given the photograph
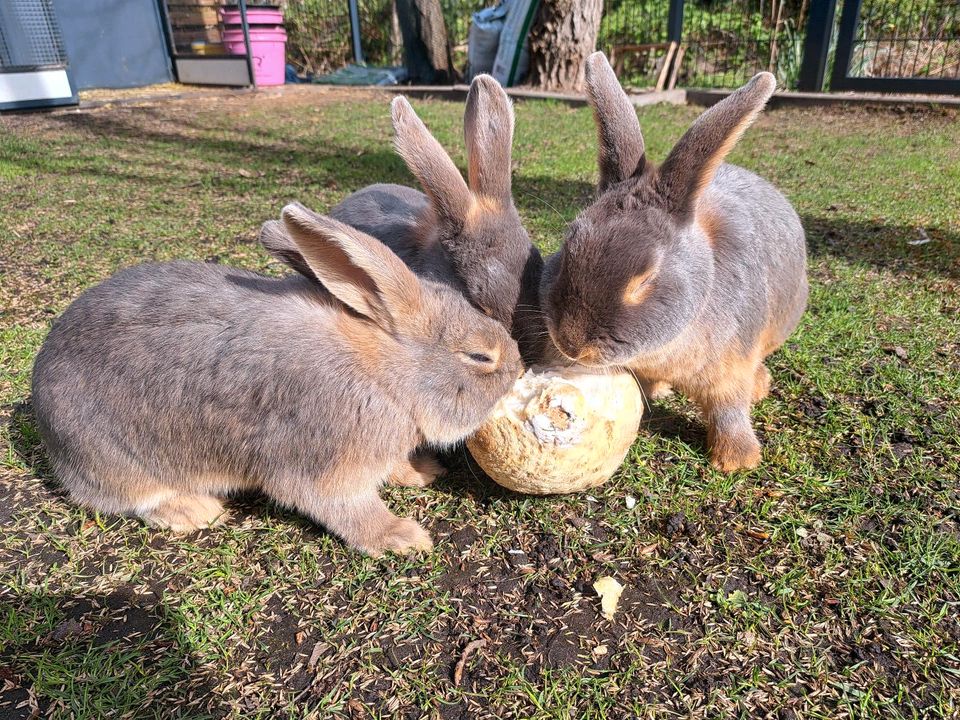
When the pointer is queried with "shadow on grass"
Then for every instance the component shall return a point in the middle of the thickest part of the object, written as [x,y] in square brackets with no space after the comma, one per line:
[149,131]
[90,656]
[666,423]
[885,246]
[26,443]
[465,478]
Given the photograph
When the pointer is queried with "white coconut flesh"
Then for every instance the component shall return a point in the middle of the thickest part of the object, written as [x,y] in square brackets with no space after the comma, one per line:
[559,431]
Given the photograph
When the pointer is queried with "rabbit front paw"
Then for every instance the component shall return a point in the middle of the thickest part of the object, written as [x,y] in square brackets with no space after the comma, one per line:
[403,535]
[656,389]
[731,452]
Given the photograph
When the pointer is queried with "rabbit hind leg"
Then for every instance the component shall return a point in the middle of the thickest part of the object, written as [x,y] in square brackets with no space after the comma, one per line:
[421,469]
[182,512]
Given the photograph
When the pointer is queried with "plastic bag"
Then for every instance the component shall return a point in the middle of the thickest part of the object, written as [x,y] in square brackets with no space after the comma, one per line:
[484,38]
[513,53]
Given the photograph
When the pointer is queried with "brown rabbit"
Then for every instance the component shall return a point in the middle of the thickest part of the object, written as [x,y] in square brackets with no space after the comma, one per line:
[170,385]
[690,273]
[464,233]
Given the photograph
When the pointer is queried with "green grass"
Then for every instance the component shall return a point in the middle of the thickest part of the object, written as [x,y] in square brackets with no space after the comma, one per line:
[825,584]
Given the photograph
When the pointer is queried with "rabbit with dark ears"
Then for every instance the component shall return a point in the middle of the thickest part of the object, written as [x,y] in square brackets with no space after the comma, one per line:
[170,385]
[690,274]
[465,233]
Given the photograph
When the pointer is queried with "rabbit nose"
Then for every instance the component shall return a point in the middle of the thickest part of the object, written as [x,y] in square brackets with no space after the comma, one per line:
[570,340]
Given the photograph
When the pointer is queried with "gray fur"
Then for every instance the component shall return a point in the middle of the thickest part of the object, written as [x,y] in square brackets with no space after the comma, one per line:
[724,257]
[471,235]
[169,385]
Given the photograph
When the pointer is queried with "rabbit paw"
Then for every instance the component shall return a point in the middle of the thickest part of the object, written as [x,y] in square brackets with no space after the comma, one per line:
[186,513]
[656,390]
[761,384]
[729,453]
[404,536]
[420,471]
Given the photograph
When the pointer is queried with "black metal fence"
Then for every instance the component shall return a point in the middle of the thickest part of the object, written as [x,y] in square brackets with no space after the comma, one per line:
[723,44]
[695,43]
[900,47]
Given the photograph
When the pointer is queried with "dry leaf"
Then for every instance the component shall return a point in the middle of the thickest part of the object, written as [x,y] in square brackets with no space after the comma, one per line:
[649,549]
[609,591]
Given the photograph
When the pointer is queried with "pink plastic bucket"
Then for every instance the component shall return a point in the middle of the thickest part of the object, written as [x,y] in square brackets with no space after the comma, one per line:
[255,16]
[267,47]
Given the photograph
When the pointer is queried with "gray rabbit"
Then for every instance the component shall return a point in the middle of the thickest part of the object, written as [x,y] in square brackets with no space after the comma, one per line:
[170,385]
[690,273]
[467,234]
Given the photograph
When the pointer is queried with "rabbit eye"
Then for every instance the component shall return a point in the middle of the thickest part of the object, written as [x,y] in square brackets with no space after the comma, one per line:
[485,362]
[637,289]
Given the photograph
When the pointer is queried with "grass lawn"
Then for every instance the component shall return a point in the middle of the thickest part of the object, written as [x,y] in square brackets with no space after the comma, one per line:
[825,584]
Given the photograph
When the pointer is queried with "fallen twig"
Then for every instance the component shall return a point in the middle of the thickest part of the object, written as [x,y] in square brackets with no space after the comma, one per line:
[471,648]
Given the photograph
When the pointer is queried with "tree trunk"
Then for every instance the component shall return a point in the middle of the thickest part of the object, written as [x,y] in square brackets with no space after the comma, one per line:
[426,47]
[564,33]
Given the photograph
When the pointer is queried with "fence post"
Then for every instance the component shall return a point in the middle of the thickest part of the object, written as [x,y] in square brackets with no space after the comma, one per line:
[675,21]
[355,31]
[242,4]
[816,45]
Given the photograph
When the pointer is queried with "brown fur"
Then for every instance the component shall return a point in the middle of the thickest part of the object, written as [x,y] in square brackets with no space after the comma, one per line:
[170,385]
[711,223]
[186,513]
[689,273]
[637,288]
[620,143]
[419,471]
[692,164]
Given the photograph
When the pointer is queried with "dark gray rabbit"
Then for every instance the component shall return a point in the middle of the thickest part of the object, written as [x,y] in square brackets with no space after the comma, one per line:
[170,385]
[690,273]
[468,233]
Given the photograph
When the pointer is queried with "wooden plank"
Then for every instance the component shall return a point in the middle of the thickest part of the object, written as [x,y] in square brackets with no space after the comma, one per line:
[678,58]
[195,16]
[667,64]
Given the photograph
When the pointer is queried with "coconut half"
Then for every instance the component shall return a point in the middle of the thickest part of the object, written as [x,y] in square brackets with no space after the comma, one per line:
[559,430]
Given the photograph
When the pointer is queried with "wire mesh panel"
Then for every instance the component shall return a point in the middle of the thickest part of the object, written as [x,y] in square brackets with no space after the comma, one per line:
[725,42]
[380,33]
[318,32]
[380,30]
[633,34]
[913,39]
[456,15]
[29,36]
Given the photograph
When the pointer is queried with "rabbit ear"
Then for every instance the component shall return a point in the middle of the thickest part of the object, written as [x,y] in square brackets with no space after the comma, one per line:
[694,160]
[429,162]
[621,150]
[488,131]
[276,241]
[359,271]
